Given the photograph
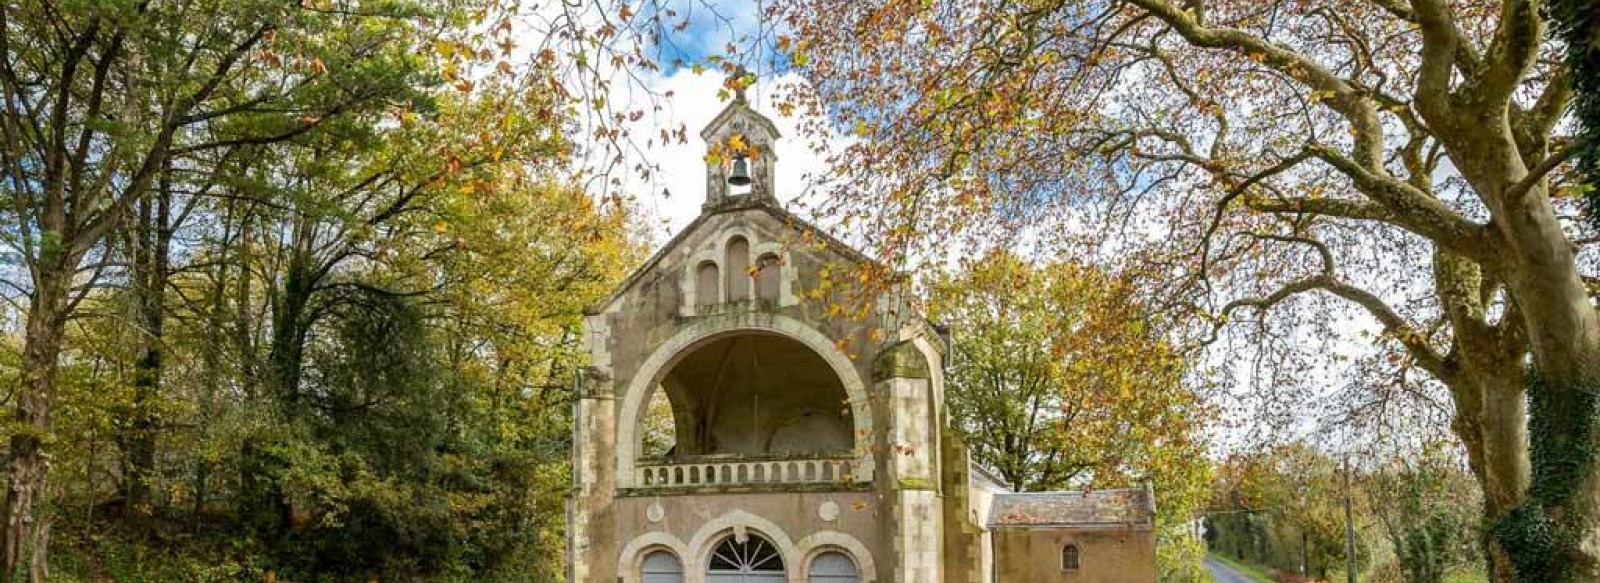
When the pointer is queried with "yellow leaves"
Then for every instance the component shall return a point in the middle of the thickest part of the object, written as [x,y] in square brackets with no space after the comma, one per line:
[1318,96]
[317,66]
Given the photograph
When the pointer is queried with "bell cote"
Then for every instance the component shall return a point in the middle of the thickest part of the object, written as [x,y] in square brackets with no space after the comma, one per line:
[739,146]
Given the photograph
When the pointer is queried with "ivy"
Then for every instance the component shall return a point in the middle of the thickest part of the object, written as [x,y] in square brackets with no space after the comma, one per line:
[1543,547]
[1577,24]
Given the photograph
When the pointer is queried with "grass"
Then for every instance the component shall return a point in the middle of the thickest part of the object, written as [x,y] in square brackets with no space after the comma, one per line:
[1456,575]
[1466,575]
[1253,572]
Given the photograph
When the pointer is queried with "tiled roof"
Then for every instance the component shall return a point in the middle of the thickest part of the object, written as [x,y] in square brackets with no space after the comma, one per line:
[1125,508]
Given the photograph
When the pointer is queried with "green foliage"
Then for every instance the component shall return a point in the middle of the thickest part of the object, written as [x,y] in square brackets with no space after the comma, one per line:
[1180,556]
[1543,535]
[1577,24]
[1275,507]
[1427,512]
[1060,379]
[1416,514]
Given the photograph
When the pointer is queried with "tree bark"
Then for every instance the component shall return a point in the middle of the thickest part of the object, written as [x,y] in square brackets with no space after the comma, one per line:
[151,246]
[1486,377]
[27,460]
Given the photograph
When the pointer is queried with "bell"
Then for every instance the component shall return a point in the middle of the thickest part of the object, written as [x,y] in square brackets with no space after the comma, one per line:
[741,172]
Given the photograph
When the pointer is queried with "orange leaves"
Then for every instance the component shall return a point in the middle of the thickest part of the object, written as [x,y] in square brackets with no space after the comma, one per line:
[724,152]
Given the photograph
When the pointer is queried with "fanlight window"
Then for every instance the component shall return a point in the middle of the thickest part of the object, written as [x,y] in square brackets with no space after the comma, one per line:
[661,567]
[833,567]
[1069,558]
[755,560]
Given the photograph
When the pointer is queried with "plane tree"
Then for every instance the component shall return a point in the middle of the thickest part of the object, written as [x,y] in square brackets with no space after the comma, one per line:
[1409,159]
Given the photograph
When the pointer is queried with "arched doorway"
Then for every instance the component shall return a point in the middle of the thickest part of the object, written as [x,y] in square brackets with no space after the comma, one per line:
[833,567]
[756,560]
[661,567]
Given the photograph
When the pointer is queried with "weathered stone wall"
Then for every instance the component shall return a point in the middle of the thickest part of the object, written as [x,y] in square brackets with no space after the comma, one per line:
[635,339]
[1105,556]
[962,527]
[800,524]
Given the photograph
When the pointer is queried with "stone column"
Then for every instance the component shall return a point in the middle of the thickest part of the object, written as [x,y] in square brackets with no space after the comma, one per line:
[915,514]
[593,547]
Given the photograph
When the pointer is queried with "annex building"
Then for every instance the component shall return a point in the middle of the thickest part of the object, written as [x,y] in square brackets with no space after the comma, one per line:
[730,430]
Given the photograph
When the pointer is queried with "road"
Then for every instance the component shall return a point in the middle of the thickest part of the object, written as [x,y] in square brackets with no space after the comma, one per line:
[1222,573]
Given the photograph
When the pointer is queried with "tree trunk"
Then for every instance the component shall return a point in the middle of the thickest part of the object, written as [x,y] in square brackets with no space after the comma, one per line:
[151,243]
[27,460]
[1485,374]
[1555,535]
[1495,436]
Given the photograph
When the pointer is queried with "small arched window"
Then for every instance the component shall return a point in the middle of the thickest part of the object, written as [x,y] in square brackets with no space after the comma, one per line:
[738,264]
[833,567]
[661,567]
[768,275]
[1069,557]
[705,287]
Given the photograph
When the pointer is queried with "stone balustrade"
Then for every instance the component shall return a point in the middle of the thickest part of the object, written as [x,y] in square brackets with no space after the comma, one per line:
[719,471]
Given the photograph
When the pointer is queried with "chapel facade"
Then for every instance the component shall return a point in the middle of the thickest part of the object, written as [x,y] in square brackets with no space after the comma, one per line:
[731,428]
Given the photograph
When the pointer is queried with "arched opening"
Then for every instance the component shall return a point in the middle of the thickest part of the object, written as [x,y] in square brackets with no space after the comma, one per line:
[705,287]
[755,560]
[768,276]
[661,567]
[737,262]
[657,433]
[833,567]
[751,394]
[1069,558]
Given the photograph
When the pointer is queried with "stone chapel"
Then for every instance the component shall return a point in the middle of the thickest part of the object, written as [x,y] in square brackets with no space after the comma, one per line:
[730,430]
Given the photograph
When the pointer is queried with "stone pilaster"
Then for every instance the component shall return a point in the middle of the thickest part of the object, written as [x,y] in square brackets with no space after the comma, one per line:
[915,514]
[593,547]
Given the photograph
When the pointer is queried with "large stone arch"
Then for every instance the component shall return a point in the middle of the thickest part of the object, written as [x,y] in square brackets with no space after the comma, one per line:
[714,327]
[628,561]
[832,540]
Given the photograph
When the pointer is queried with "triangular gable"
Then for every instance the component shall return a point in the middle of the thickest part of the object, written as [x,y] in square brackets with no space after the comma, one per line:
[738,107]
[792,220]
